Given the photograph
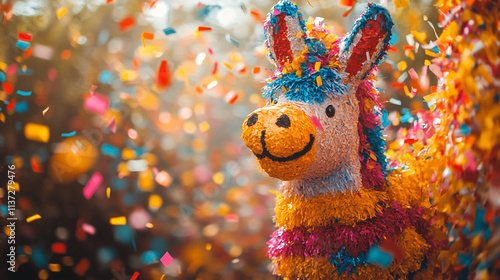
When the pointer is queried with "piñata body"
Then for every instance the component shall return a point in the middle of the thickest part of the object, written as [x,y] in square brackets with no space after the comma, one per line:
[341,212]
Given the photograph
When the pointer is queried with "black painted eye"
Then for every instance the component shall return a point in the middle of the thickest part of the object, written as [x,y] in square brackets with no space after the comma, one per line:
[330,111]
[253,119]
[283,121]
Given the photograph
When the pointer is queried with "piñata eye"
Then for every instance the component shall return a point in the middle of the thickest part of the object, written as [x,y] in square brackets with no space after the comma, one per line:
[330,111]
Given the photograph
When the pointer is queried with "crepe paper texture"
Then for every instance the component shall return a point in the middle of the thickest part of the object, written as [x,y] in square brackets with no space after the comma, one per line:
[341,212]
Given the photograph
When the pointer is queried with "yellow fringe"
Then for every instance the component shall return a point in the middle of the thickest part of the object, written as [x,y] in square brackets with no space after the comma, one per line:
[346,208]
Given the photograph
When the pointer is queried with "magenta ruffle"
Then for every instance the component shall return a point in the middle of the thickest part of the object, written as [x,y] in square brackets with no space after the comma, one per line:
[328,240]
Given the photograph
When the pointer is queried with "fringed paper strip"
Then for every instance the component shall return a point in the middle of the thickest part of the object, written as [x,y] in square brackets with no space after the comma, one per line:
[329,240]
[413,263]
[344,208]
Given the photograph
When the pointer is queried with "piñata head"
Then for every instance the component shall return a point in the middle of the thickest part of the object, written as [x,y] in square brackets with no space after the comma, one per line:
[312,127]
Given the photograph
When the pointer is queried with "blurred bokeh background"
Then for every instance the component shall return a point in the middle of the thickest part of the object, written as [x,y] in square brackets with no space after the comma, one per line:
[123,121]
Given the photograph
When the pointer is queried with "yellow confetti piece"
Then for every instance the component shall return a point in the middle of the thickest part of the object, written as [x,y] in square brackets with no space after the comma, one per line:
[427,62]
[155,201]
[430,53]
[118,220]
[108,192]
[317,65]
[318,81]
[147,36]
[229,66]
[401,3]
[37,132]
[407,92]
[218,178]
[149,225]
[2,117]
[45,110]
[61,12]
[128,75]
[402,65]
[34,217]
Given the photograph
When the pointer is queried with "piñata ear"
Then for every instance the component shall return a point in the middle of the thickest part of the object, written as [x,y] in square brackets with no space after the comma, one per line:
[366,45]
[285,32]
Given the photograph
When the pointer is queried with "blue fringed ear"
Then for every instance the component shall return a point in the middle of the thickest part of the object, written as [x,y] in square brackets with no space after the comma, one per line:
[285,32]
[366,45]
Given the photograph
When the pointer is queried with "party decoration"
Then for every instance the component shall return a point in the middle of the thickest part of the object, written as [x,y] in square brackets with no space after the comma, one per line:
[321,133]
[75,156]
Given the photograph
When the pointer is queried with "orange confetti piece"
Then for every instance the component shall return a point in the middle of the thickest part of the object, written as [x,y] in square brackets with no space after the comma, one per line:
[147,36]
[127,23]
[204,28]
[33,218]
[256,70]
[66,54]
[401,3]
[318,81]
[346,3]
[231,97]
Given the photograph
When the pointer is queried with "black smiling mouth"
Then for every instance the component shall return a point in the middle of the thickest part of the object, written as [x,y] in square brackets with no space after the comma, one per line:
[266,153]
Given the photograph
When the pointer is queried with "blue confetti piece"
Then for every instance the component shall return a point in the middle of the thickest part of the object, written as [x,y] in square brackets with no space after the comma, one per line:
[123,234]
[395,101]
[232,40]
[169,31]
[3,77]
[105,77]
[119,184]
[106,254]
[27,72]
[149,257]
[385,122]
[73,133]
[22,107]
[103,37]
[110,150]
[375,255]
[38,257]
[24,93]
[22,45]
[403,77]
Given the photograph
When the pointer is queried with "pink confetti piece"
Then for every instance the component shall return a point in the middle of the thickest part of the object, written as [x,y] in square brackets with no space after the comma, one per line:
[166,260]
[94,182]
[436,70]
[413,74]
[316,122]
[90,229]
[112,125]
[11,69]
[92,89]
[232,218]
[97,103]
